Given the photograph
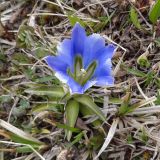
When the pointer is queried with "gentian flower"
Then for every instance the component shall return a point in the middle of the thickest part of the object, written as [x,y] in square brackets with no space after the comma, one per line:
[83,61]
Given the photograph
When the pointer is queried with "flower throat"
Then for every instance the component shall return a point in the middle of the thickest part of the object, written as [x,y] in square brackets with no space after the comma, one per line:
[80,75]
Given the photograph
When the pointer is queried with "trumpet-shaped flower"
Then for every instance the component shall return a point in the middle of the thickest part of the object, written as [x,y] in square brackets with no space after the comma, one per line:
[83,61]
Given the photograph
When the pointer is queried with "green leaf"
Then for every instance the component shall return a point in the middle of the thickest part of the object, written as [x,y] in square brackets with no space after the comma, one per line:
[86,111]
[18,139]
[73,19]
[149,78]
[103,22]
[135,72]
[18,135]
[24,103]
[43,107]
[115,100]
[27,149]
[88,102]
[125,107]
[41,51]
[143,60]
[47,90]
[157,40]
[144,136]
[5,98]
[64,126]
[72,110]
[77,139]
[96,141]
[22,58]
[157,102]
[155,12]
[130,139]
[157,81]
[24,37]
[134,18]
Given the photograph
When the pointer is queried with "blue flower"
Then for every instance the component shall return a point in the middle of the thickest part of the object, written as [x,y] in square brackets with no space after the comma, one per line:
[83,61]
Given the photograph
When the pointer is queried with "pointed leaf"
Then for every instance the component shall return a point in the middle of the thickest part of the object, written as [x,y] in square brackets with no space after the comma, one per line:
[72,110]
[88,102]
[134,18]
[47,90]
[155,12]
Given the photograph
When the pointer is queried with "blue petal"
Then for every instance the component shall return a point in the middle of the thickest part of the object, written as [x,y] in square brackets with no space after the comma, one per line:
[63,77]
[103,69]
[74,86]
[93,44]
[88,85]
[78,39]
[104,53]
[65,51]
[104,81]
[56,63]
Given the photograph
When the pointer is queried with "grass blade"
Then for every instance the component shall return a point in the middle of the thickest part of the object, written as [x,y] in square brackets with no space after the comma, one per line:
[109,137]
[18,135]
